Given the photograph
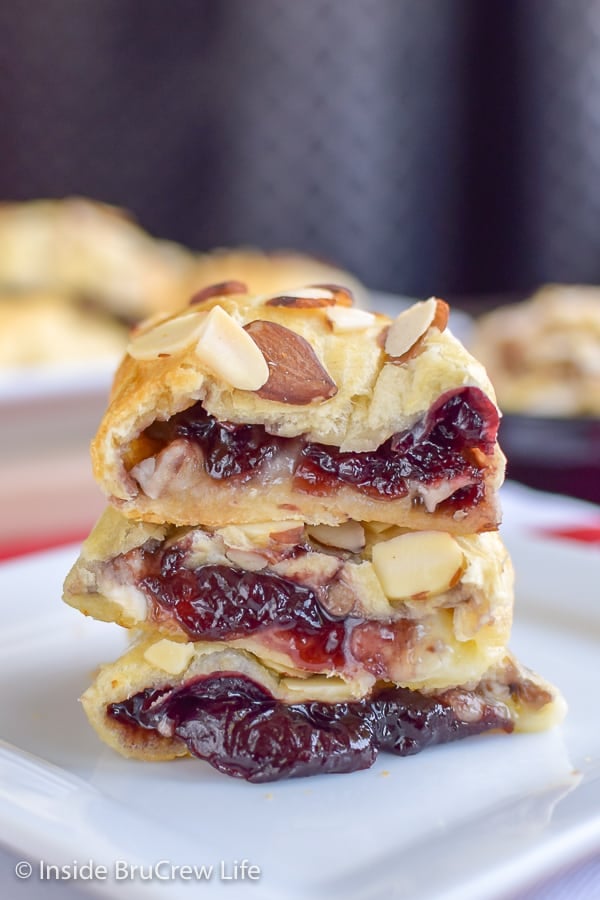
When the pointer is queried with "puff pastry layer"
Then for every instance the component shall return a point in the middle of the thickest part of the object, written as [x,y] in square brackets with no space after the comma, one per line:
[366,405]
[304,606]
[232,737]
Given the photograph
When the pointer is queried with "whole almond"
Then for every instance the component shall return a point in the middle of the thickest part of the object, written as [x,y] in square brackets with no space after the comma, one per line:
[295,374]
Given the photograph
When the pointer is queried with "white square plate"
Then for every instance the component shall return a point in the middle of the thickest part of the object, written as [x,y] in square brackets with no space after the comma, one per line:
[474,819]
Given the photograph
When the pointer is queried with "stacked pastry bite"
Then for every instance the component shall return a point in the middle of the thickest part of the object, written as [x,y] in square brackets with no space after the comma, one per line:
[302,533]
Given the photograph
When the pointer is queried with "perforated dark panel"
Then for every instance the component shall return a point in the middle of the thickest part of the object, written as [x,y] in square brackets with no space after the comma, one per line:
[560,126]
[430,146]
[330,127]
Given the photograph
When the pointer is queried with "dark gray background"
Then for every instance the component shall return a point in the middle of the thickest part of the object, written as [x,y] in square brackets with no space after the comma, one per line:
[431,146]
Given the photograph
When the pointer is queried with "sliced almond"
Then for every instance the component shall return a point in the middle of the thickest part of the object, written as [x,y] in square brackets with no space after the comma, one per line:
[315,570]
[222,289]
[324,688]
[170,656]
[418,564]
[230,353]
[304,298]
[168,337]
[344,319]
[260,534]
[131,600]
[347,536]
[149,323]
[247,559]
[343,296]
[378,527]
[410,326]
[295,374]
[292,535]
[313,297]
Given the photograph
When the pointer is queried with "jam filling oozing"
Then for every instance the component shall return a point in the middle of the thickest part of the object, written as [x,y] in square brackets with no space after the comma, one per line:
[242,730]
[229,450]
[440,447]
[445,444]
[216,602]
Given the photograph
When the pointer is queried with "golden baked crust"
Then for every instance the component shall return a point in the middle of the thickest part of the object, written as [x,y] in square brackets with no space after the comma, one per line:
[543,355]
[531,702]
[375,397]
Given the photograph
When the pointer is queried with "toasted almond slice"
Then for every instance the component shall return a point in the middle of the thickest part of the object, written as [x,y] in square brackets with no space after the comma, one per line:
[222,289]
[304,298]
[230,353]
[291,535]
[346,319]
[170,656]
[296,375]
[260,534]
[343,296]
[315,296]
[167,338]
[247,559]
[418,564]
[411,325]
[347,536]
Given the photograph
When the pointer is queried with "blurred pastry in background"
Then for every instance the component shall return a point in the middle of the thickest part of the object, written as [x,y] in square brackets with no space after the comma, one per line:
[270,272]
[91,252]
[76,274]
[543,355]
[41,328]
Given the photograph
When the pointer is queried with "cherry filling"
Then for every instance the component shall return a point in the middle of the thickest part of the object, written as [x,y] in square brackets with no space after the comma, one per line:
[216,602]
[229,450]
[242,730]
[449,443]
[440,447]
